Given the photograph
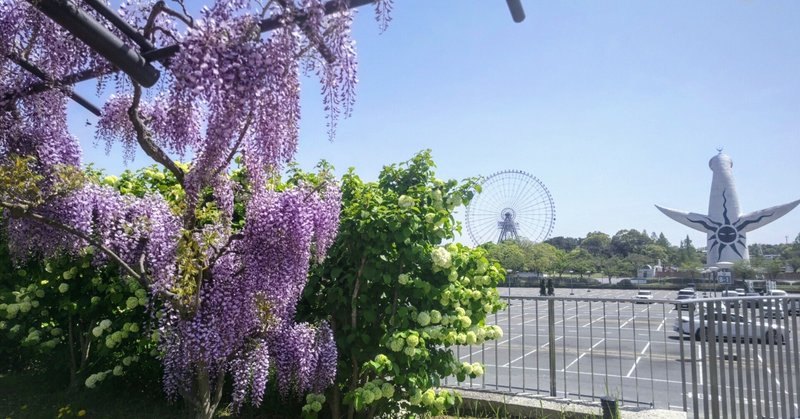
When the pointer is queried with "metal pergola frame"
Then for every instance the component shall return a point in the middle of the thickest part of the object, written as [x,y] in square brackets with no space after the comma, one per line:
[138,64]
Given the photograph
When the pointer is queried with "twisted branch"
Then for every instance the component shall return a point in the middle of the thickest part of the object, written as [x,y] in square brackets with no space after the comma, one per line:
[145,139]
[24,211]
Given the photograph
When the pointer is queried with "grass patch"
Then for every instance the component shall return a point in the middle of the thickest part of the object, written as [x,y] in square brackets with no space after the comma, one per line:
[40,396]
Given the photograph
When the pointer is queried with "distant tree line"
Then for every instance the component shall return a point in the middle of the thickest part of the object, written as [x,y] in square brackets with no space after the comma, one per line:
[770,260]
[627,250]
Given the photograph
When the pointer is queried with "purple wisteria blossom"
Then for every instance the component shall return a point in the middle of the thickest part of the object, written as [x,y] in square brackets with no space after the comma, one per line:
[228,293]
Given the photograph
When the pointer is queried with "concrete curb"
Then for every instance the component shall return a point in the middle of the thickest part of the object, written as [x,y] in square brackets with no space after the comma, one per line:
[534,406]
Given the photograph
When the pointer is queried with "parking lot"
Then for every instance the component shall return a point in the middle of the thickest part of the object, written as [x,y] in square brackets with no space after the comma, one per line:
[629,351]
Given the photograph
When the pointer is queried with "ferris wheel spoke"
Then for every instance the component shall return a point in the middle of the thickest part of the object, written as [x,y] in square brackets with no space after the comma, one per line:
[485,233]
[519,192]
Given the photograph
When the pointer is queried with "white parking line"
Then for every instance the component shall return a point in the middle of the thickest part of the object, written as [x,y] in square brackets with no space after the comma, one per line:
[626,322]
[637,360]
[582,355]
[490,344]
[541,347]
[633,367]
[583,373]
[661,325]
[587,324]
[645,348]
[565,319]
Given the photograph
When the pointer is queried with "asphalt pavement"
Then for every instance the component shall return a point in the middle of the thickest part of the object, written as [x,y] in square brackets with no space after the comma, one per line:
[629,351]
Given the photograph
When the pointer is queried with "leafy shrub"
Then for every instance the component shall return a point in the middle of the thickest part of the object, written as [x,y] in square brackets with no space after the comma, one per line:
[68,315]
[396,298]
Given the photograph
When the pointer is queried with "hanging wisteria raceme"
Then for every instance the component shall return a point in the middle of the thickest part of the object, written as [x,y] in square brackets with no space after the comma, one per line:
[38,127]
[228,293]
[126,225]
[250,301]
[277,244]
[173,128]
[302,354]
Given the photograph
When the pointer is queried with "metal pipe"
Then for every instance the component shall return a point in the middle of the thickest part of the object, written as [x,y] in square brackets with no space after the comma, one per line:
[578,346]
[714,372]
[693,358]
[730,398]
[564,346]
[36,71]
[509,341]
[795,313]
[740,327]
[682,351]
[105,11]
[591,347]
[517,13]
[537,346]
[100,39]
[635,352]
[551,339]
[619,349]
[523,345]
[795,305]
[782,365]
[705,357]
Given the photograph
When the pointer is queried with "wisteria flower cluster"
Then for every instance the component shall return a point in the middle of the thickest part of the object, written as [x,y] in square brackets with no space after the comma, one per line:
[229,288]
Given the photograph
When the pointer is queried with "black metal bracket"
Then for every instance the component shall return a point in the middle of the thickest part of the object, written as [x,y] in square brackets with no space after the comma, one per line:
[96,36]
[36,71]
[515,7]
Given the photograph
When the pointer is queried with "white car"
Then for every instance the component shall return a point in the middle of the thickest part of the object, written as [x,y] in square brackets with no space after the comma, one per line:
[772,308]
[685,294]
[643,296]
[739,328]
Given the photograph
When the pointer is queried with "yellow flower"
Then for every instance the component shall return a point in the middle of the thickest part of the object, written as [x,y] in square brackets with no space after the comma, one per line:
[81,412]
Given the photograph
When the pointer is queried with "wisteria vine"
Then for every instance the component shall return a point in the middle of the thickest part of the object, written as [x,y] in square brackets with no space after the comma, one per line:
[228,292]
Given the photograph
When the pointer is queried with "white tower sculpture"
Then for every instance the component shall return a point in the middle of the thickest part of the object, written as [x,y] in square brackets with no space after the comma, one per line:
[725,224]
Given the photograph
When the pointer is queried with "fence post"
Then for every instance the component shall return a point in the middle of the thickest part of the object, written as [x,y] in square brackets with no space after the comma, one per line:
[551,339]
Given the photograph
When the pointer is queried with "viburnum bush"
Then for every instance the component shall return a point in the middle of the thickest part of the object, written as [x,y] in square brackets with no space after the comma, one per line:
[73,316]
[68,314]
[228,286]
[399,298]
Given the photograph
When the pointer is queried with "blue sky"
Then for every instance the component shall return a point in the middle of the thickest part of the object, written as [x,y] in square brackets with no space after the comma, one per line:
[615,106]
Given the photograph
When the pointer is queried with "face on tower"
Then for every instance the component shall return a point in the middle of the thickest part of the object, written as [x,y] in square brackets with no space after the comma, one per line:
[727,234]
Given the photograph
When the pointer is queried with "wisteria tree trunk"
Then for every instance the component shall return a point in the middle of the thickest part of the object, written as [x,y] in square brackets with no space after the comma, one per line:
[205,393]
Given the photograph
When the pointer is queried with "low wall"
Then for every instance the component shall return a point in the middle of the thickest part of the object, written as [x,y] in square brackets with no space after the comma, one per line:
[493,404]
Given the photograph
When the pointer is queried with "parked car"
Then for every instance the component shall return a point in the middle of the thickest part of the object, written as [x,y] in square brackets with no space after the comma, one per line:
[752,303]
[643,297]
[740,327]
[777,293]
[772,308]
[731,293]
[685,294]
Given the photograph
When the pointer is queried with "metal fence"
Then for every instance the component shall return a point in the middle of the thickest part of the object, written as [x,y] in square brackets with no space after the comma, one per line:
[712,357]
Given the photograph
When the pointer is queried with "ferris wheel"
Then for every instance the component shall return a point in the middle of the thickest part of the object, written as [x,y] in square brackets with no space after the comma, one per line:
[512,205]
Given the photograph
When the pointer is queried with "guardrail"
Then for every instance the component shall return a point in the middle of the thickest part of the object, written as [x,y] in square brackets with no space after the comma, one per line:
[712,357]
